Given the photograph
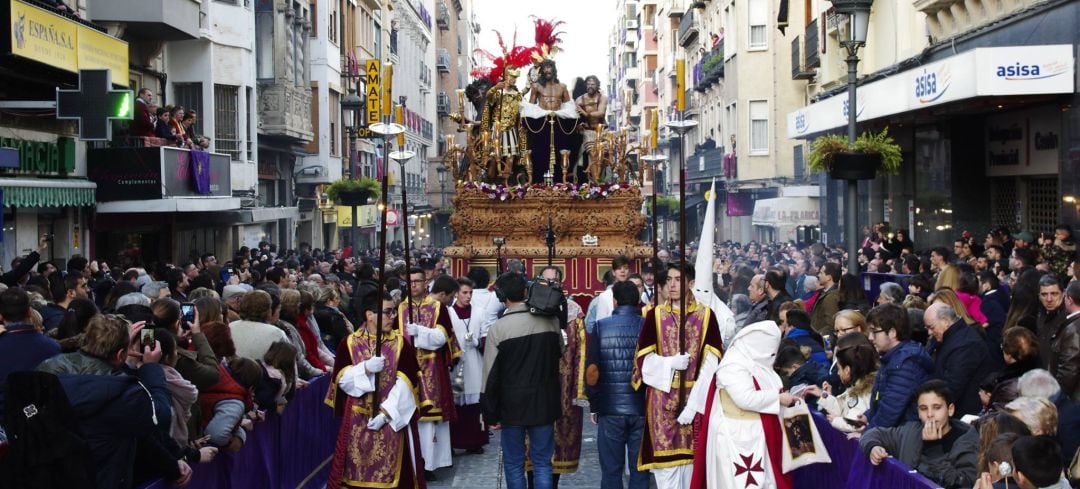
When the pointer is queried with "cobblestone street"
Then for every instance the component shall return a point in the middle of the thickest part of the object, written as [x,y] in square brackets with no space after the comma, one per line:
[481,471]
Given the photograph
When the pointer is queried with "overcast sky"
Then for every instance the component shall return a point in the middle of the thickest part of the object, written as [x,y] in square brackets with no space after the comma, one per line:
[585,45]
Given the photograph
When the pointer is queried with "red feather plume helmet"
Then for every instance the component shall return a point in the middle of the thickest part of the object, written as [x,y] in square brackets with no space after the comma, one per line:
[515,57]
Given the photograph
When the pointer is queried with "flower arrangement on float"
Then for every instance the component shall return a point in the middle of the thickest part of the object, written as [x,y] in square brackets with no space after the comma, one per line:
[584,191]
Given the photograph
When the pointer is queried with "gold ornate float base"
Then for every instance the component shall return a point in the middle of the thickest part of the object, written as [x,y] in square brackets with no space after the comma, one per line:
[614,221]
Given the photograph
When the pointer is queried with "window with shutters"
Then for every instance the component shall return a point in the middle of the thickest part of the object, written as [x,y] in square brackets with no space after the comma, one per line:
[758,13]
[226,121]
[759,127]
[189,96]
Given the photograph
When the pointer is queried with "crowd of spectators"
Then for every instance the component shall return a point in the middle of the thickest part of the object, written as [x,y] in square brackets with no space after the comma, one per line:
[966,359]
[148,371]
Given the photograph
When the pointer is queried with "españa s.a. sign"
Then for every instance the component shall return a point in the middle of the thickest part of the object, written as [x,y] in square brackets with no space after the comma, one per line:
[50,39]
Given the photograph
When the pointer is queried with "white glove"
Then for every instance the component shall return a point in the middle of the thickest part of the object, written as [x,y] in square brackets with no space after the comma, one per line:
[687,416]
[377,422]
[680,362]
[374,364]
[412,329]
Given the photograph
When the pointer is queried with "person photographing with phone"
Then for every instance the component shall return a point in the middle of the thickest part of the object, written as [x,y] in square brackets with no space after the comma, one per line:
[115,380]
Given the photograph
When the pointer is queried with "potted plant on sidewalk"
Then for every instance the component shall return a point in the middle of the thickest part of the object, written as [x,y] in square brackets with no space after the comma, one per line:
[859,161]
[353,192]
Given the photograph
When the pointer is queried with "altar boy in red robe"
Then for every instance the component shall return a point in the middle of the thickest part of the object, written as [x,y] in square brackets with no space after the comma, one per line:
[377,443]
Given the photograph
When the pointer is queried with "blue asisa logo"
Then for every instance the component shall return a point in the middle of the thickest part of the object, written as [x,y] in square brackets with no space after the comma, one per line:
[932,85]
[1022,71]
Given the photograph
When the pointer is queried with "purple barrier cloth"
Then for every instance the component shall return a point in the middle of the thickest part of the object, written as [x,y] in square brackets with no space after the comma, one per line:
[851,469]
[287,451]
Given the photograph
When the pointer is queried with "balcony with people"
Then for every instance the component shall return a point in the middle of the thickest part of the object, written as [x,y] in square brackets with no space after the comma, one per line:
[161,164]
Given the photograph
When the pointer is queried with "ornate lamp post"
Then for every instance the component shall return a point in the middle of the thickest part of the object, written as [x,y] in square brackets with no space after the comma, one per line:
[858,13]
[351,104]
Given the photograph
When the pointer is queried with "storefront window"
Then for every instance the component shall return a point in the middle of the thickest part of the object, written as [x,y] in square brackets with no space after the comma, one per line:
[933,188]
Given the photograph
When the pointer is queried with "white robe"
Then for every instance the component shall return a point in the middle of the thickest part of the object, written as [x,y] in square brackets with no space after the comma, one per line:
[471,363]
[735,449]
[485,309]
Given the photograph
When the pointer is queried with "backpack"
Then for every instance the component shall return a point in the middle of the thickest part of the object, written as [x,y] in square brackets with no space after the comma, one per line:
[544,300]
[46,449]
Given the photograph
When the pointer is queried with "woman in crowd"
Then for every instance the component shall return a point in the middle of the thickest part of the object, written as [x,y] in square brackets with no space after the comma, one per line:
[845,323]
[1020,349]
[993,426]
[1024,308]
[971,314]
[852,295]
[176,118]
[858,362]
[290,309]
[1039,414]
[209,309]
[315,350]
[332,322]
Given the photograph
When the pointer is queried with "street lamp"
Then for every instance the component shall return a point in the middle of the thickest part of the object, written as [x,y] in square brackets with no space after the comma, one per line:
[858,13]
[350,105]
[442,186]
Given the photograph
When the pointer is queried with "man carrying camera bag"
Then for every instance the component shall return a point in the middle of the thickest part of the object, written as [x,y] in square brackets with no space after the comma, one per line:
[521,383]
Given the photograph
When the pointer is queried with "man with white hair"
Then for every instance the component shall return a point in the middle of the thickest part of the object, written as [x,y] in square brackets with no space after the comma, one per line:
[890,292]
[961,357]
[156,290]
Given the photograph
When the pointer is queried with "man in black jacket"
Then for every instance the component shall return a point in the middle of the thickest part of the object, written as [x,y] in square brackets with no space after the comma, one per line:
[521,383]
[961,357]
[1051,314]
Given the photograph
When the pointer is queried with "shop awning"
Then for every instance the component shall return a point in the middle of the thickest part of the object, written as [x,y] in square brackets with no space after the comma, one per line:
[787,211]
[980,72]
[41,192]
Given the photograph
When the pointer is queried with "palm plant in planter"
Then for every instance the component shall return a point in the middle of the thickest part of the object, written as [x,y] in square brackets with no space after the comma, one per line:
[859,161]
[353,192]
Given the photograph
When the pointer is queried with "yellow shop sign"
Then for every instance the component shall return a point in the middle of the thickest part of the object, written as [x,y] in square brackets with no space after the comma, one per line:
[50,39]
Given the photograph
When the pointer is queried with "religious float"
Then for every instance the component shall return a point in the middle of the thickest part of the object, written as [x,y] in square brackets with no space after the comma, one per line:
[523,193]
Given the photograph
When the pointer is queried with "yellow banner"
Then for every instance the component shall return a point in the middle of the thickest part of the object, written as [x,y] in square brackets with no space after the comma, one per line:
[45,37]
[99,50]
[372,80]
[366,215]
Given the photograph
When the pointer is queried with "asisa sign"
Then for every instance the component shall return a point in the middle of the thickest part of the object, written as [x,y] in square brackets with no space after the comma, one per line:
[1025,70]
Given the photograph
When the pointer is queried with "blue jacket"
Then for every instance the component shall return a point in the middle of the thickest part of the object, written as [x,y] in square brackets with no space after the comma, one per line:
[803,338]
[609,360]
[22,348]
[902,370]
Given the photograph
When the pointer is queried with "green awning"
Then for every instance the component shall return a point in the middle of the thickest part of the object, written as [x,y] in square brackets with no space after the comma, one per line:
[54,193]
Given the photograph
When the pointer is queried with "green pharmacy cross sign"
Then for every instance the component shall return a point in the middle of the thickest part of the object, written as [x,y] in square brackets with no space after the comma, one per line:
[94,104]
